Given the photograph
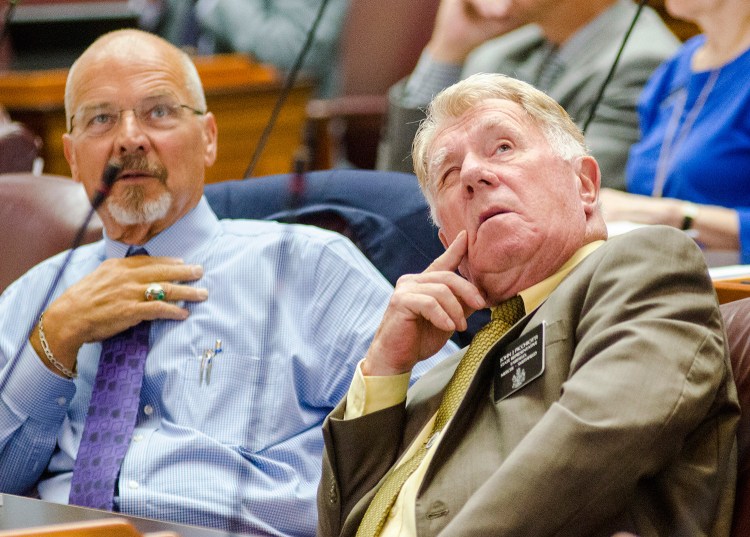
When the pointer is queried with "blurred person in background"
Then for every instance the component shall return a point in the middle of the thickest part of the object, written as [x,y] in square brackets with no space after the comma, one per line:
[691,167]
[563,47]
[271,31]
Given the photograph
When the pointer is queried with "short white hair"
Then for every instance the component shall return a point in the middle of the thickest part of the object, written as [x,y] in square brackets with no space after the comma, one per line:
[561,132]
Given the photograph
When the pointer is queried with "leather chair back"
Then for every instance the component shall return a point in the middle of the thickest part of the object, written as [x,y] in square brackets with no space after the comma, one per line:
[737,322]
[19,147]
[380,43]
[40,217]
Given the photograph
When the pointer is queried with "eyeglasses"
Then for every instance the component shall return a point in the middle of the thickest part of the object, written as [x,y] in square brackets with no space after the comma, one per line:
[151,114]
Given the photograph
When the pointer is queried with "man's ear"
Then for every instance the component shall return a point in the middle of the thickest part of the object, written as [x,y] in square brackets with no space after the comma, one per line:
[443,239]
[70,156]
[589,182]
[210,137]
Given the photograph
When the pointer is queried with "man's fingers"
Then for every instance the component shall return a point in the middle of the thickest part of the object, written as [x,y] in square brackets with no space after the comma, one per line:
[174,273]
[429,308]
[174,292]
[443,271]
[453,255]
[438,304]
[443,298]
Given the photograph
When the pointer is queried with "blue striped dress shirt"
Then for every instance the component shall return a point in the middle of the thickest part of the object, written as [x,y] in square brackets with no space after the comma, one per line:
[295,309]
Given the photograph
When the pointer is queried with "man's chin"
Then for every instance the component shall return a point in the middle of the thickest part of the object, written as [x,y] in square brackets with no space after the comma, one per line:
[140,212]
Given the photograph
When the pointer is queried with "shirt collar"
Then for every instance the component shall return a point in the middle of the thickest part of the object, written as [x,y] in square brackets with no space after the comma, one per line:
[538,293]
[182,239]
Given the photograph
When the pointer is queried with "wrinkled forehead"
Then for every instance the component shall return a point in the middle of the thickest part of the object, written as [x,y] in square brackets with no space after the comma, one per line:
[124,66]
[489,120]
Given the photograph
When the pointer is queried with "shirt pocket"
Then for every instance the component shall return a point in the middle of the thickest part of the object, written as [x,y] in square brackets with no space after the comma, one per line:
[231,397]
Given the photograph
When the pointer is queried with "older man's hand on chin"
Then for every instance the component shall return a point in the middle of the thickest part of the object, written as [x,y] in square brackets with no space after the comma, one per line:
[423,313]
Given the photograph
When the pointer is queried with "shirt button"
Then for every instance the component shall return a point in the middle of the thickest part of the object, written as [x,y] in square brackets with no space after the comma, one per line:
[61,401]
[133,484]
[148,410]
[138,438]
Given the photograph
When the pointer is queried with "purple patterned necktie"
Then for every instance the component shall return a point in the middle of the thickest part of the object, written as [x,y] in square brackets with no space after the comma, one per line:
[111,417]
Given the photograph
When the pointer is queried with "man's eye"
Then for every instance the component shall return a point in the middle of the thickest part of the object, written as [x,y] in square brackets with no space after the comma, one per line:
[448,177]
[160,111]
[503,147]
[105,118]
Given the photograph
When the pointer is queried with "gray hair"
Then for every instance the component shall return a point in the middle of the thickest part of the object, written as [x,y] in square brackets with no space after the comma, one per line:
[561,133]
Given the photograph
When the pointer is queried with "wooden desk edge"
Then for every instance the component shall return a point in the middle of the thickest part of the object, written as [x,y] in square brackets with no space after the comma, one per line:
[19,513]
[731,289]
[46,89]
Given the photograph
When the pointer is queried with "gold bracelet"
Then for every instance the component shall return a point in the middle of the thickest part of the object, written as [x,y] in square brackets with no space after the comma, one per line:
[48,353]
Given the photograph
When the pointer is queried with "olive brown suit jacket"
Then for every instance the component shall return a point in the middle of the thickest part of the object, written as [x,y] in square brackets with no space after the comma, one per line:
[630,425]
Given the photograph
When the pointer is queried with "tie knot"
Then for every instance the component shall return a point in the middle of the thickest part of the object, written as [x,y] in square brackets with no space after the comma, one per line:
[136,250]
[510,311]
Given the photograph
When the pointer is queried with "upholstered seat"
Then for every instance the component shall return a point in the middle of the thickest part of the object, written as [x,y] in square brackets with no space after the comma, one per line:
[737,321]
[40,217]
[19,147]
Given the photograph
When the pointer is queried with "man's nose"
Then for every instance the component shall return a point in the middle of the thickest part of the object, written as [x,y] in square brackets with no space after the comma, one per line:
[475,174]
[129,134]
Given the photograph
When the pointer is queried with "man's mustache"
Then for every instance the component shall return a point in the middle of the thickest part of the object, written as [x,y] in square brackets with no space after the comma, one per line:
[139,163]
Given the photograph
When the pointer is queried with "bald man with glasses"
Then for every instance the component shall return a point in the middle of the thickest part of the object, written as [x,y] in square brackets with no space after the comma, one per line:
[183,366]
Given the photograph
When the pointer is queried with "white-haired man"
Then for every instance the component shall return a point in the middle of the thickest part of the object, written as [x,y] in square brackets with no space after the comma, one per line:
[600,396]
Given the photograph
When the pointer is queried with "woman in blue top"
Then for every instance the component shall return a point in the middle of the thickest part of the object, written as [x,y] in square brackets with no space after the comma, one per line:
[691,167]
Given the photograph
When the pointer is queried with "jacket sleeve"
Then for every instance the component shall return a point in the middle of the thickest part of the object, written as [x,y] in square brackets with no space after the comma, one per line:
[394,150]
[357,454]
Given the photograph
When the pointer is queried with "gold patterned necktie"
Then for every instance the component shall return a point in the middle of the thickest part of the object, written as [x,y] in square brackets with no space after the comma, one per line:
[503,317]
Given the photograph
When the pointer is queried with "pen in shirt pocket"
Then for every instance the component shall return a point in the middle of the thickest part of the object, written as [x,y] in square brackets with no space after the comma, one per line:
[207,361]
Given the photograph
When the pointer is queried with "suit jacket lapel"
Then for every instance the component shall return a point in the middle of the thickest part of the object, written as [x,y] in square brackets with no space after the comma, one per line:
[477,390]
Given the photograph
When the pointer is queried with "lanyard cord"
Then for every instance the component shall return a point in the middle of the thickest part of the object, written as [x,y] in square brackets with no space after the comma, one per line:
[610,74]
[670,143]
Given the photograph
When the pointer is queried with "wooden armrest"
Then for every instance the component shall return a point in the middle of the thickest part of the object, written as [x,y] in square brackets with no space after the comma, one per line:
[344,128]
[732,289]
[349,105]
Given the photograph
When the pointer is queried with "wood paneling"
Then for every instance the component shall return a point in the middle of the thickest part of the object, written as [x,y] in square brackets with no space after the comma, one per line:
[240,93]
